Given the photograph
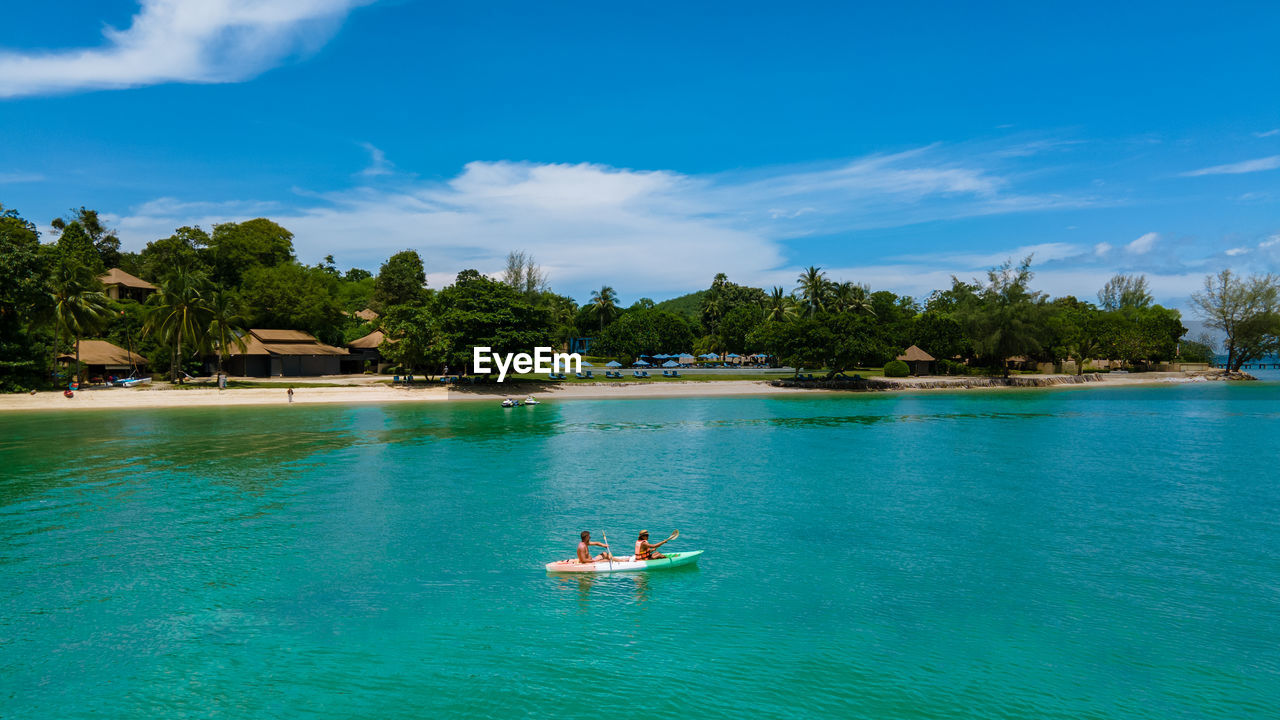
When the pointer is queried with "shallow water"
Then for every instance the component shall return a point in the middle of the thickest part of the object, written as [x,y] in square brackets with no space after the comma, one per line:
[1026,554]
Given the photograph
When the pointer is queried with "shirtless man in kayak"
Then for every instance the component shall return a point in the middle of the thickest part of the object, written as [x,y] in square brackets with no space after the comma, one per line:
[646,550]
[584,549]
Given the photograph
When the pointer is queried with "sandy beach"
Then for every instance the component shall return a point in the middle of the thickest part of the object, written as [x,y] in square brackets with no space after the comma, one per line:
[164,396]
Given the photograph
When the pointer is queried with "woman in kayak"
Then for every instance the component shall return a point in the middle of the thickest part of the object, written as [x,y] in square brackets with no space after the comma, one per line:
[584,549]
[645,551]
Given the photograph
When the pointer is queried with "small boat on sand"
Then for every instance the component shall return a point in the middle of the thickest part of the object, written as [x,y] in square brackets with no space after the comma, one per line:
[625,564]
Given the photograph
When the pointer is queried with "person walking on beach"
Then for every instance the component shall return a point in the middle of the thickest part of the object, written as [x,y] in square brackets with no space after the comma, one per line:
[584,549]
[290,394]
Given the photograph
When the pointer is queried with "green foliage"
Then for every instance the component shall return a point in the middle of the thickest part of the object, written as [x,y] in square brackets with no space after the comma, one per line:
[1199,350]
[83,235]
[603,306]
[414,339]
[722,298]
[896,369]
[1246,310]
[179,316]
[236,248]
[1006,318]
[645,332]
[294,297]
[687,306]
[736,326]
[402,280]
[477,311]
[24,301]
[185,248]
[1125,292]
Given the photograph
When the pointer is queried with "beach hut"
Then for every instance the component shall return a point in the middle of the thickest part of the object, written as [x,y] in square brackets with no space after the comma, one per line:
[920,362]
[103,359]
[120,285]
[362,352]
[686,359]
[284,353]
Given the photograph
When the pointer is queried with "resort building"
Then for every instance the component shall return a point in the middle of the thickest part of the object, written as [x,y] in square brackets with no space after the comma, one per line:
[120,285]
[284,353]
[363,352]
[103,360]
[920,362]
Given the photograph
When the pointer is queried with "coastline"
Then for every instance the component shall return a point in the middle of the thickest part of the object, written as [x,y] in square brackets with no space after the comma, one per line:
[163,397]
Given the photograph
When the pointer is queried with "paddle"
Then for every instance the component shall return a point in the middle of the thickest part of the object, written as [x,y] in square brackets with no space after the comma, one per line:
[605,535]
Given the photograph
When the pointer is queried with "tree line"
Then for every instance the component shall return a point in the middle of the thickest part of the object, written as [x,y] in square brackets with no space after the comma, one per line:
[212,285]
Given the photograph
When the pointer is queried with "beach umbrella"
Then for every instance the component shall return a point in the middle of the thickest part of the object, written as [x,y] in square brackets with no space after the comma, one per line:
[671,363]
[641,363]
[733,355]
[613,363]
[587,364]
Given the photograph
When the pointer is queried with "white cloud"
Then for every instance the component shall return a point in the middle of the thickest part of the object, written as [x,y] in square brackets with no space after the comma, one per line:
[378,163]
[1248,166]
[1271,241]
[198,41]
[1101,249]
[1237,251]
[1143,244]
[1267,133]
[647,232]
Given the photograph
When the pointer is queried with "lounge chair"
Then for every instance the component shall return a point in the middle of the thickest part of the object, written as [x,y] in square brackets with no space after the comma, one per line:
[580,376]
[590,376]
[675,373]
[551,376]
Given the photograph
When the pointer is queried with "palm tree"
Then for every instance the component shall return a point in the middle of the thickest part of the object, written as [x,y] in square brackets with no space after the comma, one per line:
[779,305]
[852,298]
[226,326]
[1086,348]
[813,289]
[604,305]
[79,306]
[179,313]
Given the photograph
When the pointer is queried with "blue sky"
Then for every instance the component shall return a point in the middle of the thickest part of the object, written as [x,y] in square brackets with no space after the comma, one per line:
[649,146]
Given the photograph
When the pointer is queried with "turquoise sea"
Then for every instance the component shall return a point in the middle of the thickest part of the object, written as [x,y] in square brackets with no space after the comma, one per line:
[1077,553]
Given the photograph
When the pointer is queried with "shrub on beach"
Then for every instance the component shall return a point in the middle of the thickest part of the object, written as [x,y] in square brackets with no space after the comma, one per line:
[896,368]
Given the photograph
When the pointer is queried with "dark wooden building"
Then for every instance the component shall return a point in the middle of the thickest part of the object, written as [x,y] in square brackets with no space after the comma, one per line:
[284,353]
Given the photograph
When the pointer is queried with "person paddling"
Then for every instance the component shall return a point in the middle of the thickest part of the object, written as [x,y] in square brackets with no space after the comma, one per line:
[649,551]
[584,549]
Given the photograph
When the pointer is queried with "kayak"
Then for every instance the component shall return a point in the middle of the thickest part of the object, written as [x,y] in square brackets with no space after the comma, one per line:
[626,563]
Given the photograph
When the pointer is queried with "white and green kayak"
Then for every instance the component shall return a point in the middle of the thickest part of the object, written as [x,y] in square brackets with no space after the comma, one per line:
[626,563]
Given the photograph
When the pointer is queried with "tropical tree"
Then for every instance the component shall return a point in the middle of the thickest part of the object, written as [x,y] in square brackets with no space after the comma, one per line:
[848,297]
[604,305]
[1006,318]
[779,306]
[179,314]
[1125,292]
[1246,310]
[80,307]
[814,289]
[226,325]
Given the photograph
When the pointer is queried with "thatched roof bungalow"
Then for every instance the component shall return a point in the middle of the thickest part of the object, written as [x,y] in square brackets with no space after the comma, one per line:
[284,353]
[103,359]
[364,351]
[120,285]
[920,362]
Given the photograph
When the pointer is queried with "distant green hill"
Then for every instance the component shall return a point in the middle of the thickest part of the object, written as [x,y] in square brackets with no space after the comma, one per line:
[690,306]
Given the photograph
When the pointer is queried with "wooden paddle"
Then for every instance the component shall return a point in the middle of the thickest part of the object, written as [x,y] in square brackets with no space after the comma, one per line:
[605,535]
